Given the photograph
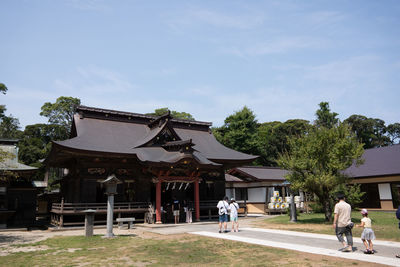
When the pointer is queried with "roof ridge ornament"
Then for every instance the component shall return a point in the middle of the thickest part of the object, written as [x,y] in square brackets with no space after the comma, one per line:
[159,120]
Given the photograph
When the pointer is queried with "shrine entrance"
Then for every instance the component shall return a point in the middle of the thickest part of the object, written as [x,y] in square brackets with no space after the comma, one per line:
[170,191]
[170,188]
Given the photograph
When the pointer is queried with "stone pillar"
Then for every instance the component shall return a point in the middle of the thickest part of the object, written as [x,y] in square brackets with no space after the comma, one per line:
[110,213]
[197,199]
[293,214]
[89,222]
[158,202]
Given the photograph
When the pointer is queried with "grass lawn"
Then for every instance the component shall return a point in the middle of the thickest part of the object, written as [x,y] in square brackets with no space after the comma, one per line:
[384,224]
[157,250]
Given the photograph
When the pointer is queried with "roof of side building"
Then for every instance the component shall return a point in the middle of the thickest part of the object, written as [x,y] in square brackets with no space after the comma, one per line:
[259,173]
[381,161]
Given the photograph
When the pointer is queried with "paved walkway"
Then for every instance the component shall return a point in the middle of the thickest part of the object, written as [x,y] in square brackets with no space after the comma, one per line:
[305,242]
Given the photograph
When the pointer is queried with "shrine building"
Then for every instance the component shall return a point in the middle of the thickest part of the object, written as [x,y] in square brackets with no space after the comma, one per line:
[157,159]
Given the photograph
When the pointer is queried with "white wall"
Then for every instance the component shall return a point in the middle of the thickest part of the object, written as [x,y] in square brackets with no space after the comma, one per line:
[257,194]
[384,191]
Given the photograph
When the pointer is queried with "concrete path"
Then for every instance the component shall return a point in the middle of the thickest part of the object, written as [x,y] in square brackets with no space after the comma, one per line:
[313,243]
[305,242]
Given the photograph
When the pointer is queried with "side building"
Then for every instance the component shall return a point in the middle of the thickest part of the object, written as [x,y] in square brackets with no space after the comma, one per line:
[379,177]
[17,189]
[256,185]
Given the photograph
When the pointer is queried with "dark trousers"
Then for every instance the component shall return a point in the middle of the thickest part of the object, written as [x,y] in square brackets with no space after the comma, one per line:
[347,232]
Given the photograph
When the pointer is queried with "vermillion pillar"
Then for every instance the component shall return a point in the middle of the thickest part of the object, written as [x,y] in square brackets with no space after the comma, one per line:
[158,202]
[197,199]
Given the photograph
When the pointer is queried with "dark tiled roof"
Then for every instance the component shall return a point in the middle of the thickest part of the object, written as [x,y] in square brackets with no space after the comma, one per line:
[259,173]
[381,161]
[104,132]
[150,118]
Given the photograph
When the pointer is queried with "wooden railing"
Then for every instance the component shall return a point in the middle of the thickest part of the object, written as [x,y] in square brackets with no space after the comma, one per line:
[68,208]
[60,210]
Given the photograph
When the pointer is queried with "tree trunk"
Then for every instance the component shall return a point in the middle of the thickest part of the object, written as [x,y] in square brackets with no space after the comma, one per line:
[328,210]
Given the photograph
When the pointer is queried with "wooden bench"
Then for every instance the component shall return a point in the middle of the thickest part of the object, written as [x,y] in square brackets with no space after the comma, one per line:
[121,221]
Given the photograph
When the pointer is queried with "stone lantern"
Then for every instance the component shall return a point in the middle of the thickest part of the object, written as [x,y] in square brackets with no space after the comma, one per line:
[111,189]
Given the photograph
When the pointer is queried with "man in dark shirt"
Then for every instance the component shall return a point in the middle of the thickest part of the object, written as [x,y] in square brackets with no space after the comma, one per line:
[176,206]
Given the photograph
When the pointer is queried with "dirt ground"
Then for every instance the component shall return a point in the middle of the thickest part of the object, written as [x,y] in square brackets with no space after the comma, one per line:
[9,239]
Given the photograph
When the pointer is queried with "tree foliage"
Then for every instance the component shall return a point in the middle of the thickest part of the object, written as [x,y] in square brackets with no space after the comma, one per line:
[316,160]
[174,114]
[393,131]
[3,88]
[61,112]
[239,132]
[36,140]
[273,138]
[325,118]
[9,127]
[371,132]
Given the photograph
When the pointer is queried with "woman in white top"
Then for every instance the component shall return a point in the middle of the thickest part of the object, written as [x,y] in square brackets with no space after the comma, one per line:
[367,234]
[234,207]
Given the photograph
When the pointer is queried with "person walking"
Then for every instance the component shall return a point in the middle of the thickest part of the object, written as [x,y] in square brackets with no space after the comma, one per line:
[188,207]
[398,217]
[176,206]
[368,234]
[234,207]
[342,223]
[223,210]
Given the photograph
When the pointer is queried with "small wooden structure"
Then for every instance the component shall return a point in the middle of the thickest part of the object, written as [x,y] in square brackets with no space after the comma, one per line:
[156,158]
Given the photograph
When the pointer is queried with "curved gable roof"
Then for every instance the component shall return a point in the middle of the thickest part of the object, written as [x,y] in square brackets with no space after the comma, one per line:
[126,133]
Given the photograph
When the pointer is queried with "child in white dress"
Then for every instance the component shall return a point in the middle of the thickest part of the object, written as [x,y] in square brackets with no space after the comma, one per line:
[368,234]
[234,207]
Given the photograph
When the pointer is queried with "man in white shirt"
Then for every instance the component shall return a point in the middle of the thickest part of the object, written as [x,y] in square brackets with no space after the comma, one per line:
[223,210]
[342,223]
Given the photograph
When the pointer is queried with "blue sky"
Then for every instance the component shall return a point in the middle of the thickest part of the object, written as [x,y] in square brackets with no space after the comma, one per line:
[208,58]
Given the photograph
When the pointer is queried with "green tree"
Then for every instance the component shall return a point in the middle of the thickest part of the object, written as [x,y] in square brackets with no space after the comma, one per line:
[273,138]
[325,118]
[174,114]
[371,132]
[9,127]
[35,142]
[61,112]
[239,132]
[393,131]
[3,88]
[316,161]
